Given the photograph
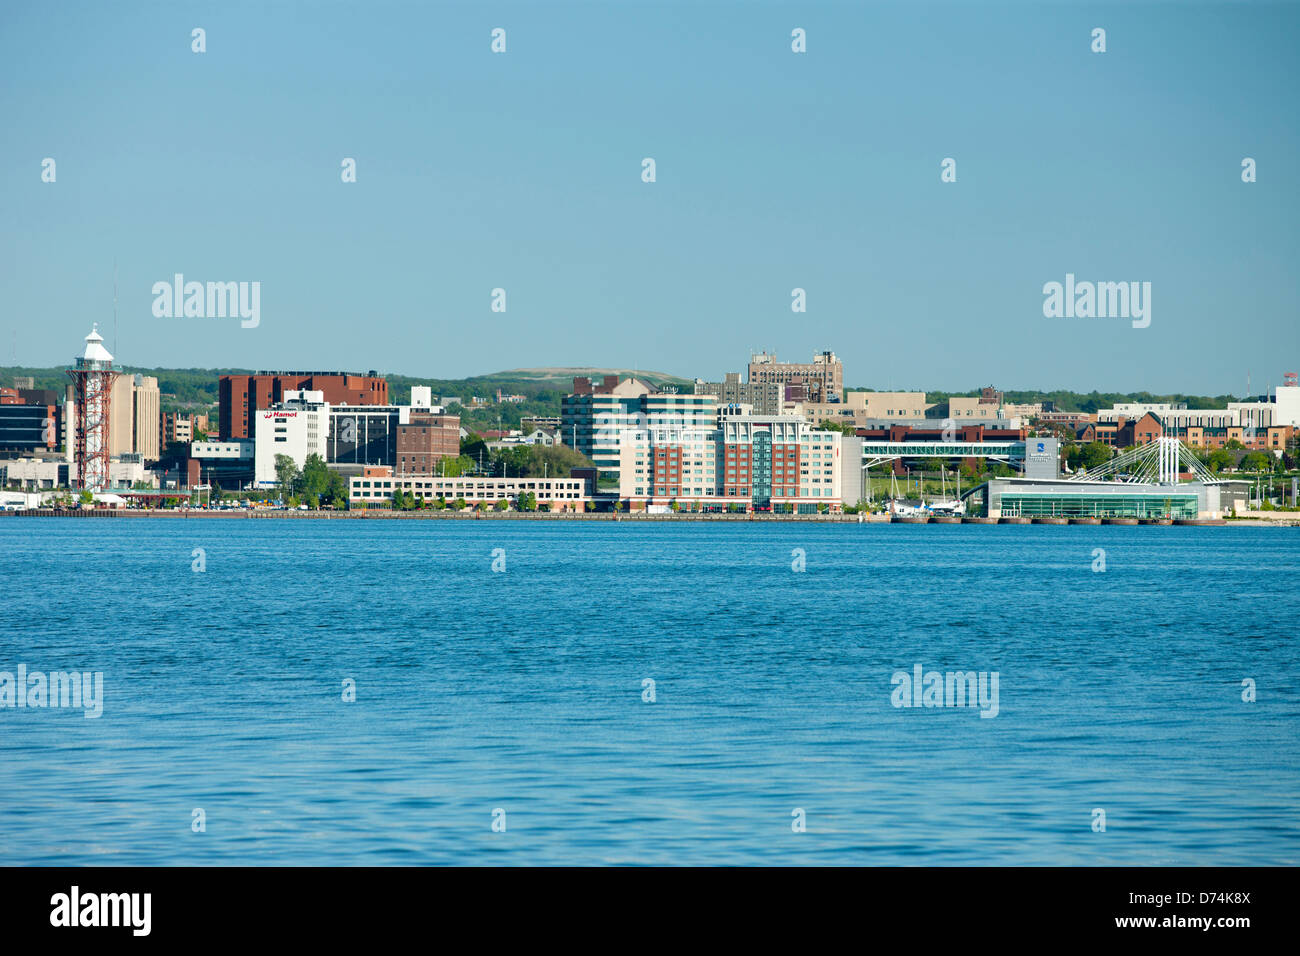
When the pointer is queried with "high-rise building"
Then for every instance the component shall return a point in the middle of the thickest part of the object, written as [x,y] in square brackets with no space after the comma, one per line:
[823,377]
[297,427]
[773,388]
[122,415]
[601,420]
[240,397]
[664,448]
[765,398]
[147,405]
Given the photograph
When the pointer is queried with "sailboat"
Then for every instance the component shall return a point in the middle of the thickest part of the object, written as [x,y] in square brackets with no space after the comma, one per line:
[900,506]
[946,505]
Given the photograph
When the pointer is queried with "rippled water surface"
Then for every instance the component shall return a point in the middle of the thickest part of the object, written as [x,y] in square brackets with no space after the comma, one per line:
[522,691]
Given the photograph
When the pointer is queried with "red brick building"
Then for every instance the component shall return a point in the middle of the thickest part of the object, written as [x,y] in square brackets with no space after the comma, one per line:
[427,440]
[1126,432]
[240,397]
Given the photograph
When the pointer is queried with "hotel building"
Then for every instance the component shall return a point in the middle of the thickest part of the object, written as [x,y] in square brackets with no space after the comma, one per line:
[663,448]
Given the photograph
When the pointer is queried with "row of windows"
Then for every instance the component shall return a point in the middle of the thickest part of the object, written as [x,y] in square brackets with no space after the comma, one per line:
[734,491]
[484,496]
[441,485]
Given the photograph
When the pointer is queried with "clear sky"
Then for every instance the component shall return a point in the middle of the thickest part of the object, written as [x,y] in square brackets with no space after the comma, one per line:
[775,170]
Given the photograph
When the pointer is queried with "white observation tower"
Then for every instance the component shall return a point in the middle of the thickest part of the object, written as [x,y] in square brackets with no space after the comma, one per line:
[92,379]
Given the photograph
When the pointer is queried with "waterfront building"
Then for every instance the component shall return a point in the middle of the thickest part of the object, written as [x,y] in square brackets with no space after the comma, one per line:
[297,427]
[54,471]
[904,444]
[376,487]
[364,434]
[1143,482]
[412,439]
[600,419]
[230,464]
[1065,498]
[655,447]
[764,462]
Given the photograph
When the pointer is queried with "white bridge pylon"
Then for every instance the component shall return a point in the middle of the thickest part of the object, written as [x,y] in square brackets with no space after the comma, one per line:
[1157,462]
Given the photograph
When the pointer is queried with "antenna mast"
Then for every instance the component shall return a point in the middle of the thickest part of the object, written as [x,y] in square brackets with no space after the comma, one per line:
[115,303]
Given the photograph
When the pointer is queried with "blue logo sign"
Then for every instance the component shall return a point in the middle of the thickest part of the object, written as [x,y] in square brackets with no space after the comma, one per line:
[1042,447]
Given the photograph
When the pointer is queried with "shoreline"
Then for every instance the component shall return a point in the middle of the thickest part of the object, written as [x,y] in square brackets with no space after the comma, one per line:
[1284,520]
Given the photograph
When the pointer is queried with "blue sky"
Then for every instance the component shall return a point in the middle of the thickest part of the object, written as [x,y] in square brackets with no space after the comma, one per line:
[775,170]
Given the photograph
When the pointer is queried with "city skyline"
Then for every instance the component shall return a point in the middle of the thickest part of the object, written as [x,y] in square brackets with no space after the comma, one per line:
[775,171]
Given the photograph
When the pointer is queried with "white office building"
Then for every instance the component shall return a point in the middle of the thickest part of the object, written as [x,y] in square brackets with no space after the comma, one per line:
[297,427]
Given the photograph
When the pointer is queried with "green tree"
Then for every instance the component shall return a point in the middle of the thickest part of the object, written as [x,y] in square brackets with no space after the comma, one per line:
[842,427]
[1220,459]
[456,467]
[286,474]
[313,482]
[86,498]
[527,501]
[336,490]
[1256,461]
[1095,454]
[539,461]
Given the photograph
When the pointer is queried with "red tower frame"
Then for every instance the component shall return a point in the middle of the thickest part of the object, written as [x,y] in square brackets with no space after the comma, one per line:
[92,379]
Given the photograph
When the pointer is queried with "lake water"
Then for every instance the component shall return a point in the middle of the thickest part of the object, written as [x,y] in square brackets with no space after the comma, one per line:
[522,691]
